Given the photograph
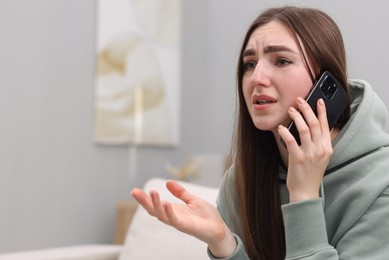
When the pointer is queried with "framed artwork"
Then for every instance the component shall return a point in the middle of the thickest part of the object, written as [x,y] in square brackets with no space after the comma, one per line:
[137,80]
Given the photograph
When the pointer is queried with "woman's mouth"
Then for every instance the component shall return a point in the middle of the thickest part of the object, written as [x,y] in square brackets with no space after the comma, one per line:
[261,102]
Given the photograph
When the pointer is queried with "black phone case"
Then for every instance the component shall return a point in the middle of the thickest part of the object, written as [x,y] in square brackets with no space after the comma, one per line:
[335,102]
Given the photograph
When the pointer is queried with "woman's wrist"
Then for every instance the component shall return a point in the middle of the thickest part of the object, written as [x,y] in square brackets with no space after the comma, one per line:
[225,247]
[302,196]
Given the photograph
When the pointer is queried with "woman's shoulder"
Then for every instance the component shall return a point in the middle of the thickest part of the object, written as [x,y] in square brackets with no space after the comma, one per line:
[227,197]
[229,173]
[228,202]
[228,182]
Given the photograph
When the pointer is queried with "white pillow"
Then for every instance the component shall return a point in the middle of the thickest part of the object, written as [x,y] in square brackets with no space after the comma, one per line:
[148,238]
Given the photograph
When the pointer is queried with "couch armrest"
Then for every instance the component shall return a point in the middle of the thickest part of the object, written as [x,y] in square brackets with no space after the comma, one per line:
[83,252]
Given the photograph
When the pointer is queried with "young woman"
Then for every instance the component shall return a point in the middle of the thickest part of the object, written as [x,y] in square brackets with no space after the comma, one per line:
[327,198]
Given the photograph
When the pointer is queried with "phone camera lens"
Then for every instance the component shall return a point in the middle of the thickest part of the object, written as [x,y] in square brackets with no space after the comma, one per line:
[332,89]
[328,88]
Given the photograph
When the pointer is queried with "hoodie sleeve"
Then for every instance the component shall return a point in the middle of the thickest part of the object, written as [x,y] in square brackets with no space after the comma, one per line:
[369,237]
[305,231]
[238,254]
[306,236]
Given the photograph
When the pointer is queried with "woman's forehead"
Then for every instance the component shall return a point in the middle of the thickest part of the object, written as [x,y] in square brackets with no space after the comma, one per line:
[274,33]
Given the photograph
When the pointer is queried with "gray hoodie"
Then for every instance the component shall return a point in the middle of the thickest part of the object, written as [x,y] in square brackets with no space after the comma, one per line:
[351,219]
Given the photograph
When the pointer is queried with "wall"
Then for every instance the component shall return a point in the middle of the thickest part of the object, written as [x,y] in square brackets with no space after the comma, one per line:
[57,188]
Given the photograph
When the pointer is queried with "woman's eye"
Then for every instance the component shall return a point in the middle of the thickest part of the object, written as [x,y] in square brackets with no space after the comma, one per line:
[283,62]
[249,65]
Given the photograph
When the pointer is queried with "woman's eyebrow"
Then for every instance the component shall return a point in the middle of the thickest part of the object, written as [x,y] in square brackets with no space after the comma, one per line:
[269,49]
[277,48]
[248,52]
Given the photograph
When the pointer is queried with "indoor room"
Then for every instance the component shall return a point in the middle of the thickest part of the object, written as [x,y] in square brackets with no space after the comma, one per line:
[98,97]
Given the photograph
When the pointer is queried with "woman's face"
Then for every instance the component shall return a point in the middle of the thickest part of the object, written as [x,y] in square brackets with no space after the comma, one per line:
[274,75]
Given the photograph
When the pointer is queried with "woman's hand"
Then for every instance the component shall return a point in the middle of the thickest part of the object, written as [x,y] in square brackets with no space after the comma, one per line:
[307,162]
[196,217]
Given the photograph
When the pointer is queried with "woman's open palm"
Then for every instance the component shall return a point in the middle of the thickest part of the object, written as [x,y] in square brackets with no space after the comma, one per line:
[196,217]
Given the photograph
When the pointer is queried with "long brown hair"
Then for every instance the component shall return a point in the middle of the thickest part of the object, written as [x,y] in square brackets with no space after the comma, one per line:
[255,152]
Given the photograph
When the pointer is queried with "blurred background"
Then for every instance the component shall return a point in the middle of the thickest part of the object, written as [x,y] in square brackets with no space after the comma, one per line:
[59,188]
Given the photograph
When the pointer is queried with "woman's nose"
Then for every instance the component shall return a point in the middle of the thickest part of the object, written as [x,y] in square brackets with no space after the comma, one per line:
[261,75]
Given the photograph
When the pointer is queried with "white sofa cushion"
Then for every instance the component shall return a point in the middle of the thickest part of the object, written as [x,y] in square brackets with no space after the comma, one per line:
[85,252]
[148,238]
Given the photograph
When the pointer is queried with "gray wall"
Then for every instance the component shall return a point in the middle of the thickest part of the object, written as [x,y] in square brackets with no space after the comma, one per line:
[57,188]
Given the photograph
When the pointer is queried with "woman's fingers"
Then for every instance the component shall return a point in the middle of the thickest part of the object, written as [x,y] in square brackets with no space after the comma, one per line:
[322,116]
[311,128]
[162,210]
[288,138]
[301,125]
[143,200]
[171,216]
[311,124]
[151,203]
[178,191]
[159,210]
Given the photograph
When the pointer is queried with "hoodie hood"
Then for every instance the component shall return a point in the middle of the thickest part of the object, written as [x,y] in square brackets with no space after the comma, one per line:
[365,130]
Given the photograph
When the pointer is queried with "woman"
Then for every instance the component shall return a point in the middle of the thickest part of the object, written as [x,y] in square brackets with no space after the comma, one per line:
[327,198]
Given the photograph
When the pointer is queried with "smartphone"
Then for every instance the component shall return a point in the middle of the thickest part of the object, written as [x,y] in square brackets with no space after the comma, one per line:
[334,97]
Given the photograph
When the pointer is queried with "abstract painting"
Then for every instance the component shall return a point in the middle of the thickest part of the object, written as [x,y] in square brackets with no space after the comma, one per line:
[137,82]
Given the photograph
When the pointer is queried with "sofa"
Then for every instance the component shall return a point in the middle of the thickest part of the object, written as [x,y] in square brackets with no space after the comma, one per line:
[146,237]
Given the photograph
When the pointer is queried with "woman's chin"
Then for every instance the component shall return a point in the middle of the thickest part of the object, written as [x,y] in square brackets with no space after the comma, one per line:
[263,127]
[270,127]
